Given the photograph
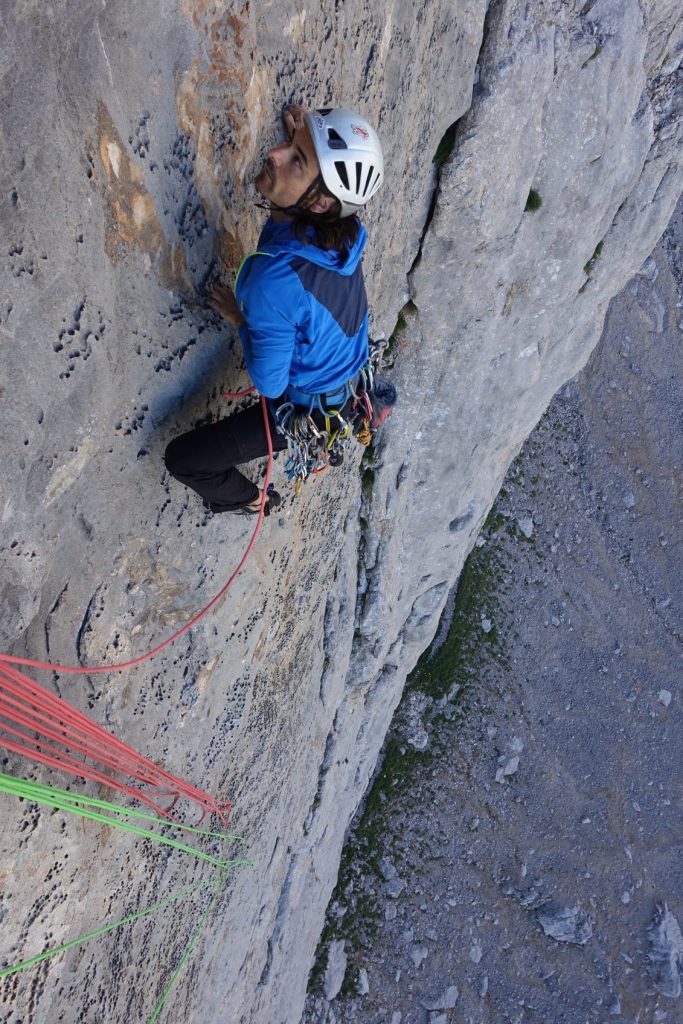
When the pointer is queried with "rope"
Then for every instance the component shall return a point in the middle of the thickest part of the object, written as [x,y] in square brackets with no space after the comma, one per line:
[51,732]
[62,800]
[188,949]
[119,666]
[46,954]
[24,703]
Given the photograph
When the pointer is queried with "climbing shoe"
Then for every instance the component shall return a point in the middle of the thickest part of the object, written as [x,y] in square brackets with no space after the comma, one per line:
[273,502]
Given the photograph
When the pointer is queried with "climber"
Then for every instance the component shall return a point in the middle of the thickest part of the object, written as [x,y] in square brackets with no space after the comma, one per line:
[299,302]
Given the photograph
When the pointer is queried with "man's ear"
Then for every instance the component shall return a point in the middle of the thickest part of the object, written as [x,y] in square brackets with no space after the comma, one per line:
[322,203]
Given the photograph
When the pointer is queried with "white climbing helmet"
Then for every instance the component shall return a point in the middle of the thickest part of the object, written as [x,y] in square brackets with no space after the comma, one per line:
[350,156]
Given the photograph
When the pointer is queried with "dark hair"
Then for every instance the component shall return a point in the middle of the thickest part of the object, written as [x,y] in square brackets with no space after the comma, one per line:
[326,230]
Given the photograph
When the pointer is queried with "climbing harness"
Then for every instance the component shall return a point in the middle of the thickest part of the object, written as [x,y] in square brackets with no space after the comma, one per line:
[311,446]
[317,427]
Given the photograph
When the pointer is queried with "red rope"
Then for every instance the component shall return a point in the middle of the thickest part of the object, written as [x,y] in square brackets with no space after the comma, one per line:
[37,724]
[240,394]
[119,666]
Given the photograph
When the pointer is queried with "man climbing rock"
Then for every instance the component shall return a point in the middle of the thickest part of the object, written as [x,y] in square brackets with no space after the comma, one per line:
[299,301]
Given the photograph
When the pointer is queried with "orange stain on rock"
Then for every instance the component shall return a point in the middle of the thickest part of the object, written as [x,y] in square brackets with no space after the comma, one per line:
[131,219]
[218,97]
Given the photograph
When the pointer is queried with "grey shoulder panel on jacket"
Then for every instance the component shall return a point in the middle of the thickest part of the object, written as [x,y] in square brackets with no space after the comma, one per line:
[343,296]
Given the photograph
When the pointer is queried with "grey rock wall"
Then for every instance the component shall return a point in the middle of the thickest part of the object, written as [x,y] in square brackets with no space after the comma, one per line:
[546,806]
[130,136]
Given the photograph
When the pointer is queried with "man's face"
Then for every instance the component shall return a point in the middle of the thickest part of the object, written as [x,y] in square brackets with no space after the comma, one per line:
[292,166]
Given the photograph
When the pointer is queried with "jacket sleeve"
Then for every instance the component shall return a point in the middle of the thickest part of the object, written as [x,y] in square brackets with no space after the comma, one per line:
[271,311]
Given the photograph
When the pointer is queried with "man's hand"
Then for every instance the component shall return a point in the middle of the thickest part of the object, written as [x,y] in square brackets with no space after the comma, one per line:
[292,118]
[224,302]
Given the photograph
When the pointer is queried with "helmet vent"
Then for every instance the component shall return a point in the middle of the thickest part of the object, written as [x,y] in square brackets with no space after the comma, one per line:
[367,181]
[359,171]
[341,171]
[334,140]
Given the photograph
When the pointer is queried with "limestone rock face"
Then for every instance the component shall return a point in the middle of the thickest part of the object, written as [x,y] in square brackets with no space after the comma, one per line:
[130,138]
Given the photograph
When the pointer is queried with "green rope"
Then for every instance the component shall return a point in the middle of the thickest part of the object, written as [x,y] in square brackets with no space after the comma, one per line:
[5,972]
[94,802]
[188,949]
[64,801]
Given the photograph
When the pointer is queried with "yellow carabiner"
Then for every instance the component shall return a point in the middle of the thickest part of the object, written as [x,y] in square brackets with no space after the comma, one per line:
[364,436]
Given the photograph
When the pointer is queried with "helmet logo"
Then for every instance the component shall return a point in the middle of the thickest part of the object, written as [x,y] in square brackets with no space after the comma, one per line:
[363,132]
[319,121]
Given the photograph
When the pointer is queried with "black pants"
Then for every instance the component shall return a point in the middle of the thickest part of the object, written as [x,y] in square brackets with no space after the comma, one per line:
[205,459]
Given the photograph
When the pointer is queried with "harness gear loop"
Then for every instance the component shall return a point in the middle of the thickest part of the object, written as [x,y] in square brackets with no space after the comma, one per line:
[366,400]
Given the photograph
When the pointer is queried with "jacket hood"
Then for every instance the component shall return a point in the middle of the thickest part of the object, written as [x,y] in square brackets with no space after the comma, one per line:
[280,238]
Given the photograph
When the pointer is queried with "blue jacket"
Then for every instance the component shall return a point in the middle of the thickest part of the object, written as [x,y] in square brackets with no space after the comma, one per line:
[305,311]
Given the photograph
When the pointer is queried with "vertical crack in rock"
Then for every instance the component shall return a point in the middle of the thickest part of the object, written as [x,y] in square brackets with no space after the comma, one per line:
[322,775]
[447,145]
[268,964]
[281,918]
[85,625]
[53,608]
[446,148]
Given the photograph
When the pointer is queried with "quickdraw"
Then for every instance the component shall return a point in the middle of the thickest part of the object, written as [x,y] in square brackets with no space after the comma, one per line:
[312,447]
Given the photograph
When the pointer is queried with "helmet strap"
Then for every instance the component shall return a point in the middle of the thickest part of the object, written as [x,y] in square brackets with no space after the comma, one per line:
[297,209]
